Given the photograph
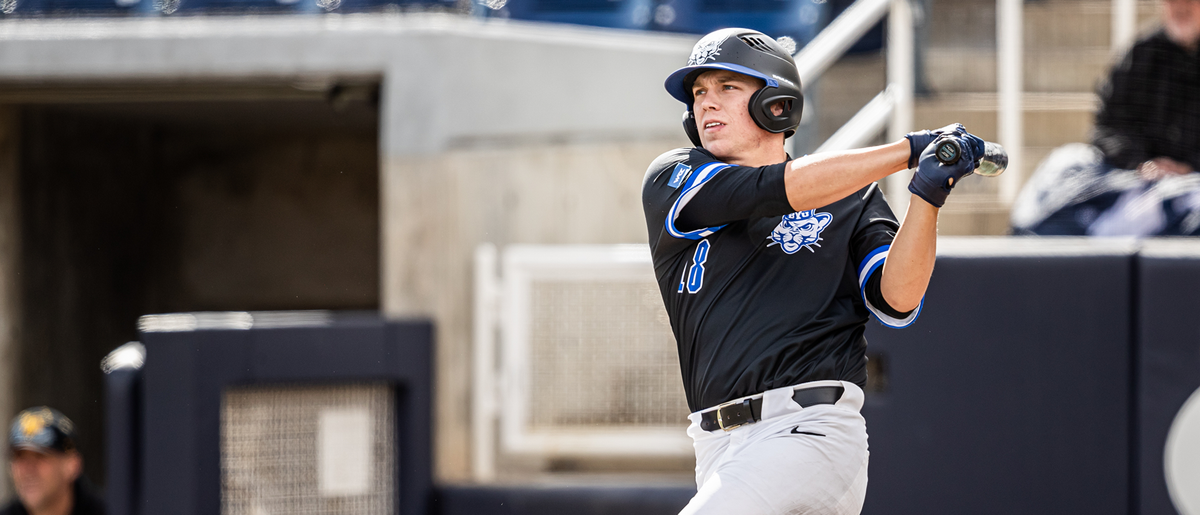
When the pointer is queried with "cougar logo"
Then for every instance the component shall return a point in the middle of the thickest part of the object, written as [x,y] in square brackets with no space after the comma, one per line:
[800,230]
[705,51]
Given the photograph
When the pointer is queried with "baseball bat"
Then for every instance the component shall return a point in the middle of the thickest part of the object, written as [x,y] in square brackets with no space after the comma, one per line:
[993,162]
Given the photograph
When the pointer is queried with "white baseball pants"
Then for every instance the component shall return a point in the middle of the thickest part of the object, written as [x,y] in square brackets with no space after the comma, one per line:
[794,461]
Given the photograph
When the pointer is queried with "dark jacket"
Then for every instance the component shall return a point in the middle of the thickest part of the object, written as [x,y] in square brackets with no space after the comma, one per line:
[86,502]
[1151,106]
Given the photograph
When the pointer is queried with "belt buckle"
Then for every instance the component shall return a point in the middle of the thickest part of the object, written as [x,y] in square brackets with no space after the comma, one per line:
[721,421]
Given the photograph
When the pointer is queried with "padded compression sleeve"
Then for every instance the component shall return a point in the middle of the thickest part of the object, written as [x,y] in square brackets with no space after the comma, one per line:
[873,293]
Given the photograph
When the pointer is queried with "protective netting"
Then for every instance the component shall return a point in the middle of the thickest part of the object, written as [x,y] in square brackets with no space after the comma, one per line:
[602,354]
[308,450]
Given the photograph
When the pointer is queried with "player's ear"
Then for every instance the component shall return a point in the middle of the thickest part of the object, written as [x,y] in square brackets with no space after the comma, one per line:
[778,107]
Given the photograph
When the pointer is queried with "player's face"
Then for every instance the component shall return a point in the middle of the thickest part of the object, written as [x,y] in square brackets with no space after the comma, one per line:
[720,104]
[1181,19]
[41,480]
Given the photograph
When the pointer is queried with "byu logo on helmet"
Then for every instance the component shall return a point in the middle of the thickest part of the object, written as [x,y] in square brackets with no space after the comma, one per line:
[800,230]
[705,51]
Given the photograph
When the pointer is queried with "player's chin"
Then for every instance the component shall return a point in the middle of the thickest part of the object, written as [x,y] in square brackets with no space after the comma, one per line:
[719,147]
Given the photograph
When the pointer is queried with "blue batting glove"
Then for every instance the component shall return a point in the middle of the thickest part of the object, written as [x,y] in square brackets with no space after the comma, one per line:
[934,180]
[919,140]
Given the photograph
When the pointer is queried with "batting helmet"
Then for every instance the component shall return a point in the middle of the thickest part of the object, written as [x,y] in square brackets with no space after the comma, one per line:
[751,53]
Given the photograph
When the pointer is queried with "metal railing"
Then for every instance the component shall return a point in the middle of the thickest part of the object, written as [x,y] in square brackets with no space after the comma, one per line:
[1010,78]
[893,107]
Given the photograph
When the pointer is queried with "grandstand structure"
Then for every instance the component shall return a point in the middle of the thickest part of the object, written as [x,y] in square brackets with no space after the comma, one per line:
[189,155]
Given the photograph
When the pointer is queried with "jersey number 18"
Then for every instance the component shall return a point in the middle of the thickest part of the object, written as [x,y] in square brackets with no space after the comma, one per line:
[693,277]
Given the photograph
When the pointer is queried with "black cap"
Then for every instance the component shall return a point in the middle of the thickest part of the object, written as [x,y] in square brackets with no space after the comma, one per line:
[42,429]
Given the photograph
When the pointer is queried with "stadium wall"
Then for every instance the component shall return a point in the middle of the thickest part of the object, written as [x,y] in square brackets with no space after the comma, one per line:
[489,131]
[9,249]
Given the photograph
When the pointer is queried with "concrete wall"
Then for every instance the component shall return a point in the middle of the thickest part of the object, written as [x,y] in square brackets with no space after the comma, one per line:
[570,193]
[489,131]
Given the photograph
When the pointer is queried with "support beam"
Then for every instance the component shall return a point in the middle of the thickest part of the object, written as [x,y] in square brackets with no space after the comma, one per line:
[1124,24]
[901,83]
[1010,82]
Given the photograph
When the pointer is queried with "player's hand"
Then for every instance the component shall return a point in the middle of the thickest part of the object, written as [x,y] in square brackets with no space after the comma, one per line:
[1160,167]
[918,141]
[934,180]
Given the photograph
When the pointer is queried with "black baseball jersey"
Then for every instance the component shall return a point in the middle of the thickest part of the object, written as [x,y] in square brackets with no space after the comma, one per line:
[760,296]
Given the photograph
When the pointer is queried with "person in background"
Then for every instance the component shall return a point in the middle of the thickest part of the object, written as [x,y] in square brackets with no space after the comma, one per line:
[1149,118]
[1135,179]
[47,470]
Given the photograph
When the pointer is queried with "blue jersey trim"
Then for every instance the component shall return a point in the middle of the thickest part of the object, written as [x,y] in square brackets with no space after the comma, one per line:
[869,264]
[702,175]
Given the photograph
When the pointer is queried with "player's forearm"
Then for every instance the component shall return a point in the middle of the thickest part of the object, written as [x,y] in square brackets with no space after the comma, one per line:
[910,259]
[821,179]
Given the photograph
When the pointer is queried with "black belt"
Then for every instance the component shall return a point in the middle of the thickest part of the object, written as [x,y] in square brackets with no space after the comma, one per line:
[748,411]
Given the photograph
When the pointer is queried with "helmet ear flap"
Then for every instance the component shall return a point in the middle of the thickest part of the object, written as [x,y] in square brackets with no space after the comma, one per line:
[689,127]
[785,121]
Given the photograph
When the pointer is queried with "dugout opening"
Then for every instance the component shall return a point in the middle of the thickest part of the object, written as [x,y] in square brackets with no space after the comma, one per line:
[128,199]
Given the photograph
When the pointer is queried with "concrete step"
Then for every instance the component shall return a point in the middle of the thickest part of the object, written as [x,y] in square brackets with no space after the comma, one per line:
[1066,44]
[1067,53]
[1050,119]
[1047,23]
[965,69]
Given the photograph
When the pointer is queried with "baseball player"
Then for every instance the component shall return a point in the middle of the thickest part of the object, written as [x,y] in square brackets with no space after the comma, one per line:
[770,268]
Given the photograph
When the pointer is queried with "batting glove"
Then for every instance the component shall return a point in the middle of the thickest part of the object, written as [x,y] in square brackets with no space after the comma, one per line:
[934,180]
[919,140]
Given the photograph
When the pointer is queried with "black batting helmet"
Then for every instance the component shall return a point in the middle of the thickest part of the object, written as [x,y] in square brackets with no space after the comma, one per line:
[751,53]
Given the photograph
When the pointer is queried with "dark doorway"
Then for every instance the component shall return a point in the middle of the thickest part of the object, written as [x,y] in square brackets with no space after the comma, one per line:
[163,200]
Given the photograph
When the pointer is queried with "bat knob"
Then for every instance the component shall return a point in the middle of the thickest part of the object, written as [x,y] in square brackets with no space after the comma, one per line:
[948,152]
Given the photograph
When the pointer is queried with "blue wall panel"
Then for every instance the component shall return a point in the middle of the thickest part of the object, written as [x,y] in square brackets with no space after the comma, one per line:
[1010,394]
[1168,364]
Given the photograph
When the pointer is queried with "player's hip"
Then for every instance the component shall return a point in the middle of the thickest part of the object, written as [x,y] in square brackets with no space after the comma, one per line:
[784,413]
[750,414]
[797,456]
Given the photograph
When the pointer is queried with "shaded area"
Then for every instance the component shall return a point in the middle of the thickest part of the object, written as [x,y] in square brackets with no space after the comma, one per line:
[558,499]
[135,208]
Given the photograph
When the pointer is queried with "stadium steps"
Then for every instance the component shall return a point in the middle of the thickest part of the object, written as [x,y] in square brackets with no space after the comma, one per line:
[1066,56]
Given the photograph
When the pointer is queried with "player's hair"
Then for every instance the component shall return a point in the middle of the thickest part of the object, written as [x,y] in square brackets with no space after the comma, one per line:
[751,53]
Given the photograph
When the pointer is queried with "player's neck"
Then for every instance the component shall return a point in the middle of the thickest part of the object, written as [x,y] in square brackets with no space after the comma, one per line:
[759,156]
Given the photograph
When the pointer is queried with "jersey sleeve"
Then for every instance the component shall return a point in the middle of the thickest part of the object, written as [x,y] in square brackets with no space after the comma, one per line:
[728,193]
[872,239]
[704,194]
